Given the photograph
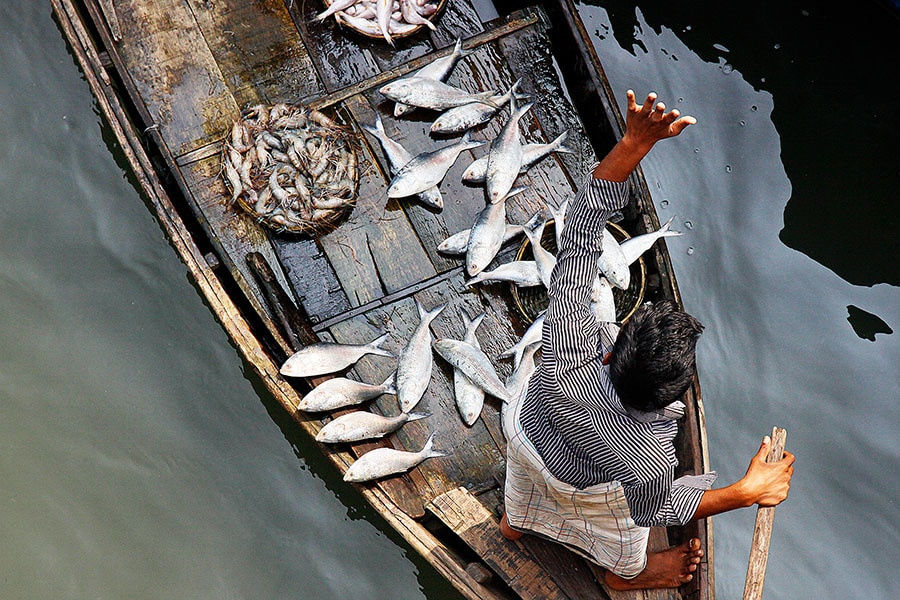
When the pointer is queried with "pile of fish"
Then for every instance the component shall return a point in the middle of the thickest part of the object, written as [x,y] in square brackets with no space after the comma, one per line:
[386,19]
[291,167]
[419,176]
[474,376]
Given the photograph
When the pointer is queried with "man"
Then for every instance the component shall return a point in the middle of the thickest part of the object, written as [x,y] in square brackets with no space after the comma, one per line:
[591,461]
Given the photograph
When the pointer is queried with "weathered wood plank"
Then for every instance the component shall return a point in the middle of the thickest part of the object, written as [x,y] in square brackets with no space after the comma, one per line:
[530,57]
[458,19]
[258,50]
[475,525]
[376,251]
[175,73]
[233,233]
[311,276]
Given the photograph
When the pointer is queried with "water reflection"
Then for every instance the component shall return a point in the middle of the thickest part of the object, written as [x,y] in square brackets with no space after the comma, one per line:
[790,263]
[832,73]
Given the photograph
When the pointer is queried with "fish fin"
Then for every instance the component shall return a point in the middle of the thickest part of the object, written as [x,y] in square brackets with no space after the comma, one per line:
[374,346]
[390,384]
[429,315]
[417,416]
[458,49]
[665,231]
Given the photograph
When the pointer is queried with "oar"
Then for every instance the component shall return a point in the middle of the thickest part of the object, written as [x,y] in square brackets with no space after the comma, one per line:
[762,531]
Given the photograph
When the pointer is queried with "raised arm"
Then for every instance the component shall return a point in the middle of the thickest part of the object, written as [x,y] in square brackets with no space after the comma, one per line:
[644,126]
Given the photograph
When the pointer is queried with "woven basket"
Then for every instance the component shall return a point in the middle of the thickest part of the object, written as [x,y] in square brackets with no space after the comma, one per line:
[302,174]
[532,300]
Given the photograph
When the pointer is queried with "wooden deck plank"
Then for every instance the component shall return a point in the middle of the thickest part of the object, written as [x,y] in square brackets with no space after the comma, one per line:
[310,276]
[175,73]
[459,19]
[258,50]
[233,233]
[475,525]
[375,251]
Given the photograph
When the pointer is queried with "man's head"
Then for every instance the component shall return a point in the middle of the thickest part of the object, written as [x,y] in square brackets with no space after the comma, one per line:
[652,362]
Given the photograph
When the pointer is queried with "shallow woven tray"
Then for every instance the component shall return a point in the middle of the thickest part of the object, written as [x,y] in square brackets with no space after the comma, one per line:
[532,300]
[414,31]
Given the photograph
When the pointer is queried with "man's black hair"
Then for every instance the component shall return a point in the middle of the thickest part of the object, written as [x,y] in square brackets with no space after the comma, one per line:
[652,362]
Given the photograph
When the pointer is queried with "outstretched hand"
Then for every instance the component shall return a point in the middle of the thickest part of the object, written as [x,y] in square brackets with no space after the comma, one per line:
[644,126]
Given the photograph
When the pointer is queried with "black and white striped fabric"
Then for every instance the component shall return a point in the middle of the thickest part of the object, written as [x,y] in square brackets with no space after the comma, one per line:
[571,413]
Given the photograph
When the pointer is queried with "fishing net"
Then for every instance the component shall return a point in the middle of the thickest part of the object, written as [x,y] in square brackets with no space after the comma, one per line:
[291,167]
[533,299]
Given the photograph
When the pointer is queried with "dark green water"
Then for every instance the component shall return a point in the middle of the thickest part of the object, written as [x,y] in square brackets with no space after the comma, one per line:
[139,459]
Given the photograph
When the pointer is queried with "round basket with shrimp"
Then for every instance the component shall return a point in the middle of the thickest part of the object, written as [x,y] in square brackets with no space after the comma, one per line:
[407,17]
[291,167]
[532,300]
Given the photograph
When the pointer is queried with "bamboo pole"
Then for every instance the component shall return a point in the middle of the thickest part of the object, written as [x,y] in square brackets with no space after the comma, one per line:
[762,531]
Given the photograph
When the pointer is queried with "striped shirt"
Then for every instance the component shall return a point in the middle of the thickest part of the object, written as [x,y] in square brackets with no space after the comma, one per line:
[571,412]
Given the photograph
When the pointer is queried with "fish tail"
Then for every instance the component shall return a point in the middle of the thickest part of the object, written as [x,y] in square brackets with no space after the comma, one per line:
[665,231]
[467,143]
[390,384]
[374,346]
[458,49]
[429,315]
[428,452]
[472,324]
[417,416]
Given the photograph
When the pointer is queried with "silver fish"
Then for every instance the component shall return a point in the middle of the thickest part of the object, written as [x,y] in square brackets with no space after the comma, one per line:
[505,155]
[411,15]
[633,247]
[382,462]
[486,237]
[398,156]
[415,361]
[371,27]
[427,169]
[474,363]
[559,220]
[383,17]
[438,69]
[531,154]
[523,273]
[612,262]
[429,93]
[532,335]
[467,116]
[603,303]
[469,396]
[339,392]
[456,243]
[328,357]
[335,7]
[517,385]
[543,257]
[363,425]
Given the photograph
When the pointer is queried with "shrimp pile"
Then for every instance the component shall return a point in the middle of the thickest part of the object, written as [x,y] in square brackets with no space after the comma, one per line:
[291,167]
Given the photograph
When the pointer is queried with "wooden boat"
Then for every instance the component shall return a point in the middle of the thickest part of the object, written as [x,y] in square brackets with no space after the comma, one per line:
[171,76]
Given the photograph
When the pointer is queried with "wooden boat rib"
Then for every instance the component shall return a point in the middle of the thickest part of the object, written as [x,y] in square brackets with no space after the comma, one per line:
[171,76]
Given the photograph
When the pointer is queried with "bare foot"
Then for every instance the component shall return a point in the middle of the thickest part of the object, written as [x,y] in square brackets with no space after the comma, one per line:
[667,569]
[507,531]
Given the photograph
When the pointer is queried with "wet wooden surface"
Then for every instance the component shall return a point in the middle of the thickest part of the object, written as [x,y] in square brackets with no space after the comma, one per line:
[191,66]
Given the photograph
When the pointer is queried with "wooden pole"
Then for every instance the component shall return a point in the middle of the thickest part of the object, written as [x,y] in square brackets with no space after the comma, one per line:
[762,532]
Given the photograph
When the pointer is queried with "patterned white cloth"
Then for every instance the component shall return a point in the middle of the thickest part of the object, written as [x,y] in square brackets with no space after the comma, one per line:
[593,522]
